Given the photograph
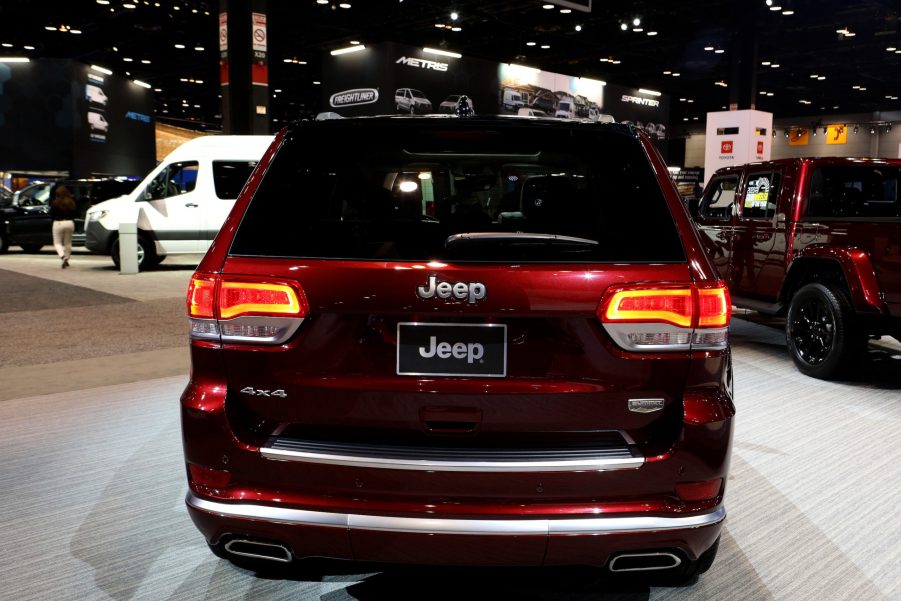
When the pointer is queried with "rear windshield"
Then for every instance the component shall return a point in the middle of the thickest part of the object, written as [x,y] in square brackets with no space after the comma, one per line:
[868,191]
[423,190]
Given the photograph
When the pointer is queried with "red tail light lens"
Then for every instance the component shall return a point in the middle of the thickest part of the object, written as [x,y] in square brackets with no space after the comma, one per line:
[714,307]
[651,305]
[239,309]
[667,317]
[253,298]
[201,292]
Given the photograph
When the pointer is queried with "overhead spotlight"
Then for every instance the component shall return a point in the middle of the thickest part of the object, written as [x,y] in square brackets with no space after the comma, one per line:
[623,26]
[454,16]
[708,48]
[872,130]
[856,129]
[888,128]
[786,133]
[825,130]
[578,28]
[814,131]
[636,22]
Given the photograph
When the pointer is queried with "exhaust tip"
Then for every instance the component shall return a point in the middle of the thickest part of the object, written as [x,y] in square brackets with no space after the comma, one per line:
[259,550]
[642,562]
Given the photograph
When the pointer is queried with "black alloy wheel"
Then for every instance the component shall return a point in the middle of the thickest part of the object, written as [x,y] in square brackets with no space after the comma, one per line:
[820,331]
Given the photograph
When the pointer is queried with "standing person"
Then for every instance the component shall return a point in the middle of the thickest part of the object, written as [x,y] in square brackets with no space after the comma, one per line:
[62,211]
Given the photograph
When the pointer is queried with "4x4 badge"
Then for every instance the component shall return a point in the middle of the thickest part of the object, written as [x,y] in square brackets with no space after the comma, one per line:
[280,393]
[645,405]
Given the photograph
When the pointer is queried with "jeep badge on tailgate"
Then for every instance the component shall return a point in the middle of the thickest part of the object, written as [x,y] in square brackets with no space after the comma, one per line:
[472,291]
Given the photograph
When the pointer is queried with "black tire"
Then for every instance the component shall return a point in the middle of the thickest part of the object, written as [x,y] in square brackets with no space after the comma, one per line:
[4,242]
[823,338]
[32,248]
[147,257]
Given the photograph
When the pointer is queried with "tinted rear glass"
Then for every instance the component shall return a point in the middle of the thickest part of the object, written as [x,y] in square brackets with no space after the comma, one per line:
[858,191]
[422,190]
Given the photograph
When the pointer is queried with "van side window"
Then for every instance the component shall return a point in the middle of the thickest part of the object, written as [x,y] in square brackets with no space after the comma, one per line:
[175,179]
[717,202]
[760,196]
[229,177]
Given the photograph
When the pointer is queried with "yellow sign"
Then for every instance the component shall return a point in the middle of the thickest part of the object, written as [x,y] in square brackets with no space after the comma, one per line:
[798,136]
[837,134]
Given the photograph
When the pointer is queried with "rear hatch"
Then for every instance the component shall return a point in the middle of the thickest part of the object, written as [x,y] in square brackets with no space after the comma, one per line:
[488,293]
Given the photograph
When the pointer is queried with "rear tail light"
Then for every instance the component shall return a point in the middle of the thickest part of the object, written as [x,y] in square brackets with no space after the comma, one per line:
[667,317]
[233,309]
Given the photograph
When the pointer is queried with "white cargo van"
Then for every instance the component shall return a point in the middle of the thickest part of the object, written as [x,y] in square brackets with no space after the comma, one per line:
[566,108]
[180,206]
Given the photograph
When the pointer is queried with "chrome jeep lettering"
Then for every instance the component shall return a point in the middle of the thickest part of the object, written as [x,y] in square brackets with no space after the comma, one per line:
[472,351]
[469,291]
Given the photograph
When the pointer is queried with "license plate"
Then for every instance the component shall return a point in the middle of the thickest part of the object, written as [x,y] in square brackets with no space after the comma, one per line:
[452,349]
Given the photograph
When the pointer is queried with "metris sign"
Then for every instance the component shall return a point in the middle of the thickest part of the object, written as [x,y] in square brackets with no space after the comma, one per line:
[421,63]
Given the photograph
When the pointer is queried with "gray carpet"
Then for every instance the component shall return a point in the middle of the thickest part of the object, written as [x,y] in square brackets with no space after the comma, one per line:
[92,487]
[20,292]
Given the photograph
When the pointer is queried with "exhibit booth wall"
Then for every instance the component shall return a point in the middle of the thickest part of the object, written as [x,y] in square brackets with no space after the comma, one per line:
[391,78]
[63,116]
[832,143]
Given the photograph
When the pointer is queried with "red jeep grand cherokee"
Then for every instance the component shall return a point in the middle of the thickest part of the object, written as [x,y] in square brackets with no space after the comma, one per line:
[481,341]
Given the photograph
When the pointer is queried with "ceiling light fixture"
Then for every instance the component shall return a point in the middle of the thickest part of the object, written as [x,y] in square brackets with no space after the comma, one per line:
[708,48]
[578,28]
[787,12]
[127,59]
[442,52]
[652,33]
[347,50]
[101,69]
[180,46]
[649,92]
[344,5]
[545,46]
[456,29]
[454,16]
[623,26]
[14,59]
[547,6]
[718,51]
[198,48]
[766,63]
[143,84]
[636,22]
[28,47]
[530,43]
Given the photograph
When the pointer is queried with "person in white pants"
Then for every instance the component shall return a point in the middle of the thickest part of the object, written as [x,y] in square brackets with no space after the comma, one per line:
[62,211]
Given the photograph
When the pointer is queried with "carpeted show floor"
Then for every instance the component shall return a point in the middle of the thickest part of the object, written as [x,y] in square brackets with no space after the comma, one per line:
[92,481]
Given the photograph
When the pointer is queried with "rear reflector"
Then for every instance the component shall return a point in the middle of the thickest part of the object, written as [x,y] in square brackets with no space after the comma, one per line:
[699,491]
[208,477]
[667,317]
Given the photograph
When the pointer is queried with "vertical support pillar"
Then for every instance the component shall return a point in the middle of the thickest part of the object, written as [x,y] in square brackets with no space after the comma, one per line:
[128,248]
[744,60]
[244,66]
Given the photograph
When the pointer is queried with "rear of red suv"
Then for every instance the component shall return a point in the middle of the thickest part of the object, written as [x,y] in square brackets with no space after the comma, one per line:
[486,341]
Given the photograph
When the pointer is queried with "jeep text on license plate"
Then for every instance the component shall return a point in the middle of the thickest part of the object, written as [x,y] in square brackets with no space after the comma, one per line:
[451,349]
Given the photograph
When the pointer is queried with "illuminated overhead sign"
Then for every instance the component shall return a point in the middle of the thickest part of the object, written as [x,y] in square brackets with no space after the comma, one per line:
[641,101]
[421,63]
[354,97]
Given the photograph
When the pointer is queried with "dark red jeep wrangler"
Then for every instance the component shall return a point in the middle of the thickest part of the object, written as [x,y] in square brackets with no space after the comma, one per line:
[817,240]
[482,341]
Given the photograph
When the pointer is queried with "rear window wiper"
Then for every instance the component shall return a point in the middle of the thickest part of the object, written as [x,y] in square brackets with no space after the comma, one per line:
[517,238]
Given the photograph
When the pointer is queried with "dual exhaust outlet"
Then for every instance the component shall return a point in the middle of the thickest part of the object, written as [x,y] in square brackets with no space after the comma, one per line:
[626,562]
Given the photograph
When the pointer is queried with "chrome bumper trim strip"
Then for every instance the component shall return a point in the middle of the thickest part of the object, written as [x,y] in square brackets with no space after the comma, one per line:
[574,465]
[605,525]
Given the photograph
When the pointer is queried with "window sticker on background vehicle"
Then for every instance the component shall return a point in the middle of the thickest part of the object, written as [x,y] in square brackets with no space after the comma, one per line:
[758,193]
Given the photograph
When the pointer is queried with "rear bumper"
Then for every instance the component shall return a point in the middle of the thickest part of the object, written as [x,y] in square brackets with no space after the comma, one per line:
[426,540]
